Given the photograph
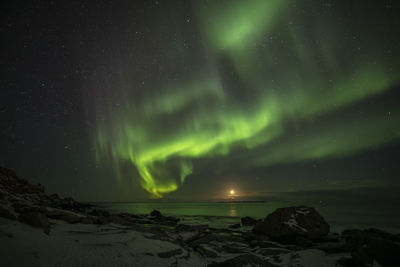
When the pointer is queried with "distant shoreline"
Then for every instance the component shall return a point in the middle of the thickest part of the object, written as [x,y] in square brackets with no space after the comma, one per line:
[157,201]
[241,201]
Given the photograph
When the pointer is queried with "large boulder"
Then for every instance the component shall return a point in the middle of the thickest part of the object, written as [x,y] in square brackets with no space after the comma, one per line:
[287,224]
[156,213]
[373,245]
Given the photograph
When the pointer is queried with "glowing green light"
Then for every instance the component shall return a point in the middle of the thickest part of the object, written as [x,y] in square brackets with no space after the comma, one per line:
[270,83]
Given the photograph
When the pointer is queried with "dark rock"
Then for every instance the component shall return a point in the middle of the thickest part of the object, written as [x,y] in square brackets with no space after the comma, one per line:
[102,220]
[229,238]
[285,224]
[62,215]
[71,205]
[190,233]
[135,216]
[71,219]
[156,213]
[231,248]
[170,219]
[81,206]
[143,221]
[332,248]
[120,220]
[272,251]
[367,246]
[304,242]
[248,221]
[347,262]
[202,240]
[205,251]
[8,172]
[36,219]
[69,199]
[31,189]
[266,244]
[249,236]
[235,226]
[104,213]
[159,233]
[89,220]
[66,203]
[243,260]
[166,220]
[372,232]
[330,238]
[54,197]
[6,213]
[23,207]
[14,185]
[170,253]
[29,198]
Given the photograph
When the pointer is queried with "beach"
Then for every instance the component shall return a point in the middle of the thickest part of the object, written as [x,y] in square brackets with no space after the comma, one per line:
[37,229]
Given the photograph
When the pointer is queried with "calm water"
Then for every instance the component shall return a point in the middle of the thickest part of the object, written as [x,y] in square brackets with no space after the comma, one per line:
[223,214]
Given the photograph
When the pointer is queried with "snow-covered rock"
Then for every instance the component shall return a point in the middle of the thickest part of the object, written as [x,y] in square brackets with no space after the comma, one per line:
[285,224]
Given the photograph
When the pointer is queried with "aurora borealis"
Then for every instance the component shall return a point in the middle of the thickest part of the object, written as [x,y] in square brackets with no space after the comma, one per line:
[260,72]
[187,99]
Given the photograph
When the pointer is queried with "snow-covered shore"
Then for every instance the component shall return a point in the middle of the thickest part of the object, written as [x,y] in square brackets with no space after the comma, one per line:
[85,245]
[117,245]
[46,230]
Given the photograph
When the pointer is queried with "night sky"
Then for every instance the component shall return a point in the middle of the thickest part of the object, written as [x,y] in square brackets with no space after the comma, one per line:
[186,100]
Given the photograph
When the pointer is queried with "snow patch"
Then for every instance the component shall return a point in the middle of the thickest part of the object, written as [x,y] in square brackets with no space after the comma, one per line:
[308,257]
[293,224]
[303,211]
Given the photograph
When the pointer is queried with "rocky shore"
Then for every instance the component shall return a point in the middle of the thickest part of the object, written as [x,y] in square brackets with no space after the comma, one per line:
[37,229]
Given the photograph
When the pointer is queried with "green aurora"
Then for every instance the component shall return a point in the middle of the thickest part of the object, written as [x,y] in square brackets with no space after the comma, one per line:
[262,74]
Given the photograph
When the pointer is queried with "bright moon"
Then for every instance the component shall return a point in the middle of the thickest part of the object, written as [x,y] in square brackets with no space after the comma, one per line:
[232,192]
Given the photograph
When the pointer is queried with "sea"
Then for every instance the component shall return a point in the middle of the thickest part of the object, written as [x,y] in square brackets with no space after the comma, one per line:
[223,214]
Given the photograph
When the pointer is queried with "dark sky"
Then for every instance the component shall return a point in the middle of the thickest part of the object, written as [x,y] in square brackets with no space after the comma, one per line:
[186,100]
